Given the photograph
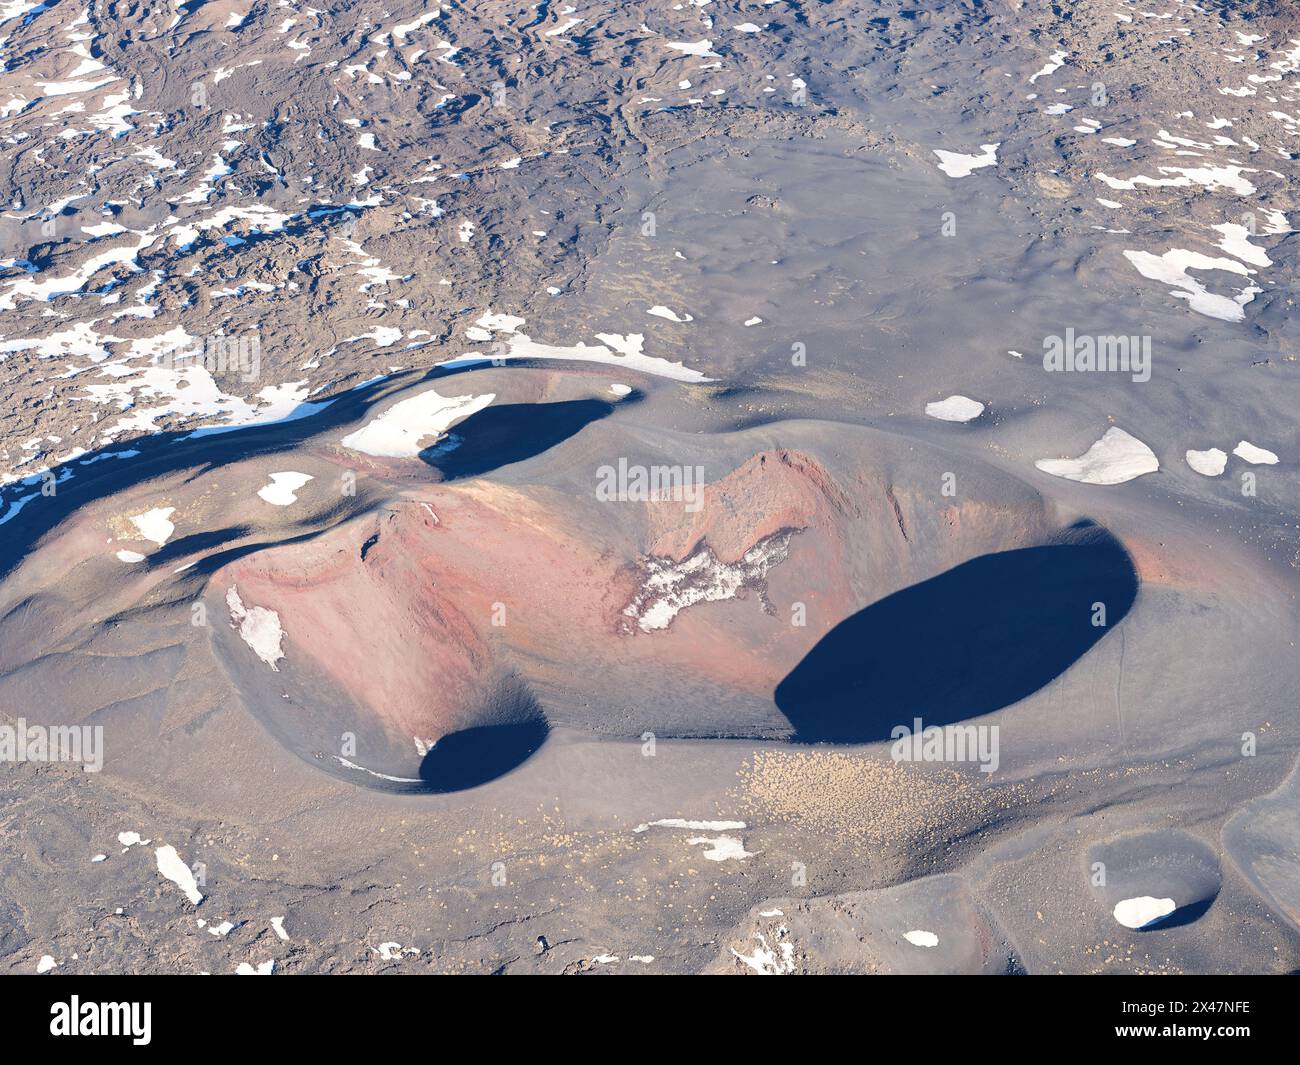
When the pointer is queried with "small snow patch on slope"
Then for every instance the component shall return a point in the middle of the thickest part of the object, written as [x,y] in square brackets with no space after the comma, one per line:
[955,409]
[704,49]
[1210,463]
[154,524]
[258,627]
[1236,241]
[767,961]
[670,587]
[1142,911]
[174,869]
[1052,65]
[1115,458]
[1248,451]
[957,165]
[398,432]
[626,350]
[660,311]
[281,491]
[721,848]
[1171,269]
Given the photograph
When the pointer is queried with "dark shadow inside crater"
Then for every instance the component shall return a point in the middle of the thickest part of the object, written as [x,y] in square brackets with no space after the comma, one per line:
[1184,915]
[477,755]
[970,641]
[1160,865]
[500,435]
[511,728]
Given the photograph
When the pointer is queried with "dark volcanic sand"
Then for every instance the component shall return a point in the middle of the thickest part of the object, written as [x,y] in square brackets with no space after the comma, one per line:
[467,702]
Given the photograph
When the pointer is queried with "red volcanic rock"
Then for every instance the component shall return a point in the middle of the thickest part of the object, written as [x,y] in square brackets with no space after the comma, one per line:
[378,626]
[421,614]
[772,492]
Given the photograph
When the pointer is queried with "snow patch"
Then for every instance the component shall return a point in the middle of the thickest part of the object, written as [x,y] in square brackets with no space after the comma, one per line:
[1115,458]
[155,524]
[1211,463]
[258,627]
[721,848]
[1053,64]
[1258,455]
[174,869]
[398,432]
[704,49]
[955,409]
[626,353]
[1171,269]
[1142,911]
[670,586]
[660,311]
[281,491]
[768,961]
[957,165]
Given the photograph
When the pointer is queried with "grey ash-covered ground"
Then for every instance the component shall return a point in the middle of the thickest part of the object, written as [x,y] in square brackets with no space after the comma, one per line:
[321,330]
